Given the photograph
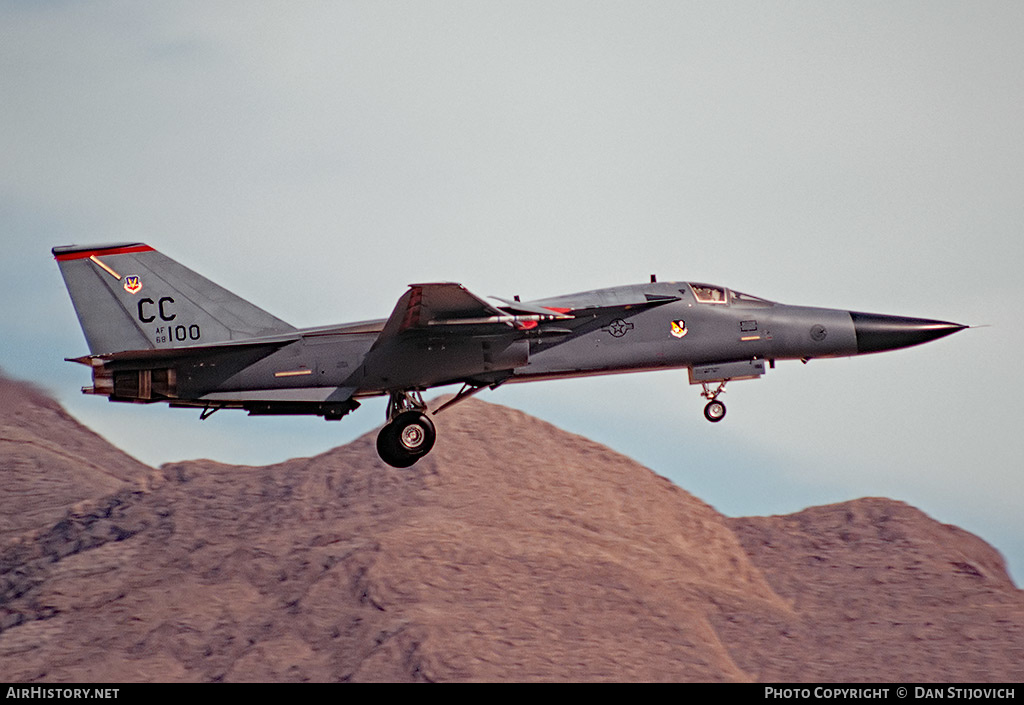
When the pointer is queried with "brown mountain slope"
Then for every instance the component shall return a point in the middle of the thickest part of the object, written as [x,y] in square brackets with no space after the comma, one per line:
[49,461]
[883,589]
[538,556]
[546,557]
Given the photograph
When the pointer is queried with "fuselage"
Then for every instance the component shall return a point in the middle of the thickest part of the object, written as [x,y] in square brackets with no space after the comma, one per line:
[631,328]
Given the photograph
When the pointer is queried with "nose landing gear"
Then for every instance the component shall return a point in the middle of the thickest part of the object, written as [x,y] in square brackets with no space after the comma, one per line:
[714,411]
[409,433]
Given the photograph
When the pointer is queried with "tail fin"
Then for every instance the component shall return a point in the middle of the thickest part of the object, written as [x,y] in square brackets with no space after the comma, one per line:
[128,296]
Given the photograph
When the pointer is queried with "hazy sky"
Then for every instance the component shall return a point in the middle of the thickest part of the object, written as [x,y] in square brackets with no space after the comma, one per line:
[316,158]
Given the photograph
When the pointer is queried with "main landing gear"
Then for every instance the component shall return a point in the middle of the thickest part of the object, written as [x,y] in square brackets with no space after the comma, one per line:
[409,433]
[714,411]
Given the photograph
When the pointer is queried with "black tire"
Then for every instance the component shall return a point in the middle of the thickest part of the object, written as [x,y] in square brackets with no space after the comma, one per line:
[405,439]
[714,411]
[388,452]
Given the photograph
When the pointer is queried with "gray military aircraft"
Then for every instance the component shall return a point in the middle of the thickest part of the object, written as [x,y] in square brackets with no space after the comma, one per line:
[159,332]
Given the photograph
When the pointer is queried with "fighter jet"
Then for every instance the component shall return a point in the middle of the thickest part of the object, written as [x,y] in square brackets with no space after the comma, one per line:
[159,332]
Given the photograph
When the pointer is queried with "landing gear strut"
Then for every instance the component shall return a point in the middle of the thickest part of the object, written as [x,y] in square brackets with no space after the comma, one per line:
[409,433]
[715,410]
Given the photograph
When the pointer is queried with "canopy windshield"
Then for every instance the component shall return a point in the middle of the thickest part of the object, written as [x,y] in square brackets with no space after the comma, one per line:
[712,294]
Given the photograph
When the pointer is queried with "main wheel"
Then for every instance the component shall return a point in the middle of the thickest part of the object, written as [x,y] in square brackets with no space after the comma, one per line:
[405,439]
[714,411]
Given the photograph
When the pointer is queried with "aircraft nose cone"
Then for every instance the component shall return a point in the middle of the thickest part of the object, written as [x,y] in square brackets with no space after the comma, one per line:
[876,332]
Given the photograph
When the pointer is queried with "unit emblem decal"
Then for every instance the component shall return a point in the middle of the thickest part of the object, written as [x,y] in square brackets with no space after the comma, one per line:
[132,284]
[679,329]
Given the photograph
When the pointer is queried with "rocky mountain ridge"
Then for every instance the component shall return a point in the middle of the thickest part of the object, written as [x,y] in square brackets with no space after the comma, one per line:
[537,556]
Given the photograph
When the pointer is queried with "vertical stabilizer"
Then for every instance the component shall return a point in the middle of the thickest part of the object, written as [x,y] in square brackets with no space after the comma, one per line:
[128,296]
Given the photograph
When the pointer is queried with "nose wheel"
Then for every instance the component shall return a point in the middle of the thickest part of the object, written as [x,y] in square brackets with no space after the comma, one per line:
[714,411]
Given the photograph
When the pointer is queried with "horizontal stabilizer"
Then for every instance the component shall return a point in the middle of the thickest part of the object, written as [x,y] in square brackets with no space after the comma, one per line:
[166,354]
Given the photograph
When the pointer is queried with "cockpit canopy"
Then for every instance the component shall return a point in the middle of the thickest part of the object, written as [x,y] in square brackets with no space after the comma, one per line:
[712,294]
